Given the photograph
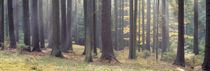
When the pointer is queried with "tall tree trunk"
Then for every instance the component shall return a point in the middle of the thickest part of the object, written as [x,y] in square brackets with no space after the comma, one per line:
[41,25]
[69,21]
[157,28]
[89,31]
[196,52]
[180,60]
[63,31]
[11,25]
[143,36]
[107,50]
[56,51]
[85,23]
[206,62]
[94,28]
[16,19]
[7,20]
[26,24]
[133,18]
[35,26]
[2,24]
[154,26]
[148,25]
[139,34]
[116,24]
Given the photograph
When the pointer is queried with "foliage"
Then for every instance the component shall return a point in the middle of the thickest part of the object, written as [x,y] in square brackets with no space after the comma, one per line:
[146,53]
[194,60]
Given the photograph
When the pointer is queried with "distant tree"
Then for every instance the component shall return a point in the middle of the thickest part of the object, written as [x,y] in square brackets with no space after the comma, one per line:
[139,33]
[41,25]
[154,26]
[16,18]
[180,60]
[206,62]
[116,24]
[94,28]
[133,19]
[107,50]
[11,24]
[56,51]
[148,25]
[2,24]
[26,24]
[157,28]
[196,52]
[35,26]
[143,36]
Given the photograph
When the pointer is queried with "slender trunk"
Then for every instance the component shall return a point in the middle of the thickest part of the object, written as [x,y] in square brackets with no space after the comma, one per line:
[94,27]
[116,24]
[148,26]
[11,25]
[143,36]
[63,34]
[196,52]
[180,60]
[85,23]
[139,34]
[2,24]
[154,26]
[157,28]
[16,19]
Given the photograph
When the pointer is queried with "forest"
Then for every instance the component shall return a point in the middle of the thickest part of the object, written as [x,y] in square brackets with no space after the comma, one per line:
[104,35]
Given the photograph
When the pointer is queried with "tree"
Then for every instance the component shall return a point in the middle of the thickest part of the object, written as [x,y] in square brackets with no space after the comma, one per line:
[157,28]
[196,52]
[16,18]
[206,62]
[133,18]
[26,24]
[63,33]
[148,25]
[94,28]
[154,26]
[107,50]
[139,34]
[85,23]
[41,25]
[180,61]
[35,26]
[116,24]
[68,43]
[143,36]
[11,24]
[2,24]
[56,51]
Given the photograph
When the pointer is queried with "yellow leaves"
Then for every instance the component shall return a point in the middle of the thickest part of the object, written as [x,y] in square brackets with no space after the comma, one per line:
[189,37]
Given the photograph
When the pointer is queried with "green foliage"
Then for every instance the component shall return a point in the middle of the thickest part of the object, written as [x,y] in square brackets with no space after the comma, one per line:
[146,53]
[195,60]
[169,57]
[22,46]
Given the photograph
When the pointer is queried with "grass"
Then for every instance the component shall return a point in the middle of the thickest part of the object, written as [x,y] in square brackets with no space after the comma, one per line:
[75,62]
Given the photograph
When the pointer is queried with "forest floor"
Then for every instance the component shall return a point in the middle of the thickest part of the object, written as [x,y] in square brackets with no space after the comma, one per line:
[15,60]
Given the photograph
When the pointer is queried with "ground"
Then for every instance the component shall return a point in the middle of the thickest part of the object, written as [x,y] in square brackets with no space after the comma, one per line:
[17,60]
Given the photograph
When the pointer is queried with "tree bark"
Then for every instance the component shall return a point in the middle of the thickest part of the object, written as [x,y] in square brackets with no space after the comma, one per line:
[154,26]
[35,26]
[56,51]
[11,24]
[148,25]
[143,36]
[2,24]
[63,34]
[157,28]
[196,52]
[206,62]
[180,60]
[107,50]
[116,24]
[85,23]
[26,24]
[41,25]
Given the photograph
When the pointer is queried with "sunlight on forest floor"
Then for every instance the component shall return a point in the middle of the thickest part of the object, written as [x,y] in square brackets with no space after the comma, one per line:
[11,61]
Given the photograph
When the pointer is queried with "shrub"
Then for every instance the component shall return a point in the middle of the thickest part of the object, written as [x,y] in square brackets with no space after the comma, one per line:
[146,53]
[195,60]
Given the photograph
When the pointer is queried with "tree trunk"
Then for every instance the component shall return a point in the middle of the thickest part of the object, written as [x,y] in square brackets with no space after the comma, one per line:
[133,18]
[107,50]
[26,24]
[148,25]
[157,28]
[196,52]
[35,26]
[180,60]
[11,25]
[63,34]
[16,19]
[2,24]
[41,25]
[139,34]
[116,24]
[94,28]
[69,21]
[206,63]
[143,36]
[56,51]
[154,26]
